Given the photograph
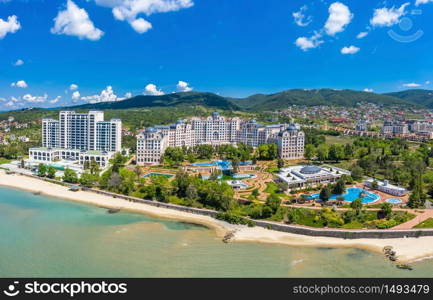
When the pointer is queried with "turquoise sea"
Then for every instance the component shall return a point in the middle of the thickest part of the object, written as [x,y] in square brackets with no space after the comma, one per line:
[48,237]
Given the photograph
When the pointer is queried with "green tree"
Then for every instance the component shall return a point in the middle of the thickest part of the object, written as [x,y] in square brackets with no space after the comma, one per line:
[309,151]
[336,152]
[356,205]
[42,170]
[280,163]
[235,165]
[87,179]
[51,172]
[273,202]
[255,193]
[70,176]
[94,167]
[325,193]
[417,196]
[339,187]
[322,152]
[385,211]
[357,173]
[138,171]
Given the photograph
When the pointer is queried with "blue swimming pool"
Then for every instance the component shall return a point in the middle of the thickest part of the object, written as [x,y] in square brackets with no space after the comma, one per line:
[351,194]
[158,174]
[244,176]
[222,164]
[393,201]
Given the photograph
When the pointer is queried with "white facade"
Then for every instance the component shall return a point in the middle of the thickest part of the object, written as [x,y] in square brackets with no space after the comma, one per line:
[60,155]
[395,127]
[83,131]
[78,137]
[304,176]
[386,187]
[291,143]
[217,130]
[151,145]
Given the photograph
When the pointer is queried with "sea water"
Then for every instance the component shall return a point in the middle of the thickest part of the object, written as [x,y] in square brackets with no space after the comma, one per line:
[47,237]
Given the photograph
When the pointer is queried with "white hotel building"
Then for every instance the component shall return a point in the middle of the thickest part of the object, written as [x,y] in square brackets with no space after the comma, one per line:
[217,130]
[78,137]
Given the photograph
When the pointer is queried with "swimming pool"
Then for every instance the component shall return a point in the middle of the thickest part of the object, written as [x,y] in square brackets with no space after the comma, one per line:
[244,176]
[393,201]
[207,177]
[236,184]
[222,164]
[351,194]
[158,174]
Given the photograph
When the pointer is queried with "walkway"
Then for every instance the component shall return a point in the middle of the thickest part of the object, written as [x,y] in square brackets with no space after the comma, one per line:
[415,221]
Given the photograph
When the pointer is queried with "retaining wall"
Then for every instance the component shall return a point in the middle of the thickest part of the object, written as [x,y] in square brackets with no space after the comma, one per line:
[337,233]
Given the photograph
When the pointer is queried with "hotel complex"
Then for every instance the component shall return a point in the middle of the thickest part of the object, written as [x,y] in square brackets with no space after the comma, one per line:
[78,137]
[309,176]
[218,130]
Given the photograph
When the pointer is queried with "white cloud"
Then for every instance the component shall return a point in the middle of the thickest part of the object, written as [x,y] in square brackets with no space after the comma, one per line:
[368,90]
[140,25]
[300,18]
[362,35]
[307,43]
[20,83]
[106,95]
[10,104]
[428,82]
[76,96]
[10,26]
[183,86]
[128,95]
[73,87]
[386,17]
[350,50]
[412,84]
[152,90]
[339,17]
[19,62]
[75,21]
[55,100]
[35,99]
[128,10]
[418,2]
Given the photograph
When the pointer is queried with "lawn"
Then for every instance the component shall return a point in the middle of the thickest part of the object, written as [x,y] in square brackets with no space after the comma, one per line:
[272,188]
[339,140]
[4,161]
[426,224]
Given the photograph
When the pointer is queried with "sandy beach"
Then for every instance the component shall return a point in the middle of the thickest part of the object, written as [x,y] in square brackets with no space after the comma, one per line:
[408,249]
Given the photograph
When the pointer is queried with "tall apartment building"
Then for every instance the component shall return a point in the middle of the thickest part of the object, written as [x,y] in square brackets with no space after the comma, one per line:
[395,127]
[291,143]
[82,131]
[217,130]
[79,137]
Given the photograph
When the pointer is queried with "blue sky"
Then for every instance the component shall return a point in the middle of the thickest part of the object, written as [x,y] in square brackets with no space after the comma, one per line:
[110,49]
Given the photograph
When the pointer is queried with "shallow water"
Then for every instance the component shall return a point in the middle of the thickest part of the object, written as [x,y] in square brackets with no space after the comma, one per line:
[43,236]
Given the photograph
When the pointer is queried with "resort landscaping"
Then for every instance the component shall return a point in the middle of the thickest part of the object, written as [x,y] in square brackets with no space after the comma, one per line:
[358,183]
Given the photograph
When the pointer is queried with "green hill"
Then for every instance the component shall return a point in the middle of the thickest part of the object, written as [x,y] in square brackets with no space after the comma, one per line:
[170,100]
[315,97]
[418,96]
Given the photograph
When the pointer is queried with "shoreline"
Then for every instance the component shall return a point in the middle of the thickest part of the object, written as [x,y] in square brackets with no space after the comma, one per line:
[408,249]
